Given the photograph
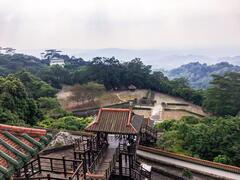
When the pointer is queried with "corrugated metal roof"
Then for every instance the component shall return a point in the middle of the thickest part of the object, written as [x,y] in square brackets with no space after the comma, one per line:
[116,121]
[18,145]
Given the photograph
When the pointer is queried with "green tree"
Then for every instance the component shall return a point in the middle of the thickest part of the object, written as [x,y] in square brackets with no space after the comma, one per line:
[17,62]
[14,99]
[222,159]
[34,86]
[48,103]
[56,76]
[66,123]
[223,97]
[211,138]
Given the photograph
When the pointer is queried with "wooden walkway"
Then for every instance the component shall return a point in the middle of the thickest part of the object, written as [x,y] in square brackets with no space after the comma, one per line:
[105,163]
[105,166]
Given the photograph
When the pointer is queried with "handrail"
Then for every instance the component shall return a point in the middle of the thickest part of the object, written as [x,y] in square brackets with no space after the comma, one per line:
[76,173]
[98,158]
[40,178]
[70,160]
[150,131]
[84,144]
[142,170]
[133,147]
[112,163]
[53,165]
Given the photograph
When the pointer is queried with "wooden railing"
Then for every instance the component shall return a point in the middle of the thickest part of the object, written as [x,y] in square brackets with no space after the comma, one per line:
[30,168]
[84,144]
[73,169]
[134,173]
[78,173]
[98,159]
[123,148]
[150,131]
[48,177]
[112,163]
[142,171]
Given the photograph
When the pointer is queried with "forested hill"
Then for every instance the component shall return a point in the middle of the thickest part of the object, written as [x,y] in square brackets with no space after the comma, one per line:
[200,75]
[13,63]
[17,62]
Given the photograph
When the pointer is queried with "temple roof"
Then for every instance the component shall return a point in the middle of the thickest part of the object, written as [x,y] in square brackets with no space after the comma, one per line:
[116,121]
[18,145]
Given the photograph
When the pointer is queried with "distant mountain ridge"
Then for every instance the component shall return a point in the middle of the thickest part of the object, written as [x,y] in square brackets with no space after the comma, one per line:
[199,75]
[158,58]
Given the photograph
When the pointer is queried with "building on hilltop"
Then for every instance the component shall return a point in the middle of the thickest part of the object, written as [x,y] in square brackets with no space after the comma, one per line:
[57,61]
[132,87]
[7,50]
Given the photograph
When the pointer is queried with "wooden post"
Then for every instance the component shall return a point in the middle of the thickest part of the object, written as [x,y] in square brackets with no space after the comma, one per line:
[51,164]
[75,155]
[120,164]
[89,158]
[39,164]
[78,174]
[98,139]
[27,176]
[32,168]
[90,151]
[130,165]
[25,171]
[18,172]
[64,166]
[84,165]
[48,177]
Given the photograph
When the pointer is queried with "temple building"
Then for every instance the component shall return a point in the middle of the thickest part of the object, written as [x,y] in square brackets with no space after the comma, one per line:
[57,61]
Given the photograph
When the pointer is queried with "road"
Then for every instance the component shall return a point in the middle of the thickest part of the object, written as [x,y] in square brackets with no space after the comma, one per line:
[189,165]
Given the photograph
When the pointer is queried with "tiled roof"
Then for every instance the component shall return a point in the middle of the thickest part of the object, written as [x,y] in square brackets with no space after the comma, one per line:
[116,121]
[18,145]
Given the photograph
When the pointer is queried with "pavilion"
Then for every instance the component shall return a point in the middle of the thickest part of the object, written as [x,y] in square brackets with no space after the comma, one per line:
[120,129]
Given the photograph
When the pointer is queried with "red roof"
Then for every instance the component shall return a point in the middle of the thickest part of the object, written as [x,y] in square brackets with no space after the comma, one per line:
[21,130]
[19,144]
[115,121]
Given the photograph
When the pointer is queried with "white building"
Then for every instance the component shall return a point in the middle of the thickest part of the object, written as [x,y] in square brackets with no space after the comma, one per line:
[57,61]
[7,50]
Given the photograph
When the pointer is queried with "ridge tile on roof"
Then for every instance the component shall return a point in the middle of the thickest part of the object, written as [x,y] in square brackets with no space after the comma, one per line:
[18,145]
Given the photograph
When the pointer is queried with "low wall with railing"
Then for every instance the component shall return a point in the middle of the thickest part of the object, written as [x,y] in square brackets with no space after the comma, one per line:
[191,159]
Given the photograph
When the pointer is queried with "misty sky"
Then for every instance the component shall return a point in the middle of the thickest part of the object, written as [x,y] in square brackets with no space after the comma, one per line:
[91,24]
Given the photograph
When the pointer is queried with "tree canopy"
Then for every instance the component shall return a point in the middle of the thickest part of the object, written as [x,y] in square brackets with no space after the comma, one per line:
[110,72]
[223,97]
[15,103]
[215,139]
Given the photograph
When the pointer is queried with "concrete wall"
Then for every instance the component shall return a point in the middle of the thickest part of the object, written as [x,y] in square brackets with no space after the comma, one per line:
[176,114]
